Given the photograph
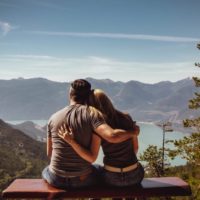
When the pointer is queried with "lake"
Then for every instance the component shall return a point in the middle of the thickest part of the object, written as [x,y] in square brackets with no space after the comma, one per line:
[150,134]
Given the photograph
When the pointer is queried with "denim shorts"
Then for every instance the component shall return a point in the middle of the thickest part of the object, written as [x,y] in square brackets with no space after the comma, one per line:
[122,179]
[72,182]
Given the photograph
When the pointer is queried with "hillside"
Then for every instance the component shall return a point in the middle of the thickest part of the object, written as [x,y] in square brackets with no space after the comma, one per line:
[21,156]
[32,130]
[37,98]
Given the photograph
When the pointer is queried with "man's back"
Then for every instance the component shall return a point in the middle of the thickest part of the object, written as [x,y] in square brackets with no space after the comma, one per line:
[65,161]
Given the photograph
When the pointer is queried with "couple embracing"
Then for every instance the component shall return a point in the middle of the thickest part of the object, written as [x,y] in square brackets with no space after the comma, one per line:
[75,135]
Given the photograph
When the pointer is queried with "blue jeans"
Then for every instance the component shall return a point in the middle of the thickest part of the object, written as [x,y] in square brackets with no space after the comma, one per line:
[123,179]
[72,182]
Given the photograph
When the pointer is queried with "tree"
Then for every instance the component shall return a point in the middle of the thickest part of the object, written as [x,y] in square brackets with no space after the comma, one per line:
[153,158]
[194,103]
[189,147]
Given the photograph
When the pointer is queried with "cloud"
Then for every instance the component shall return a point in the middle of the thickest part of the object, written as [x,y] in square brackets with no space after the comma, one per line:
[68,69]
[29,56]
[119,36]
[6,27]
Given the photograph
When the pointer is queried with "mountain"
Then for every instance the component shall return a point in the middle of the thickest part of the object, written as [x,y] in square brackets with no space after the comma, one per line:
[38,98]
[21,156]
[32,130]
[31,98]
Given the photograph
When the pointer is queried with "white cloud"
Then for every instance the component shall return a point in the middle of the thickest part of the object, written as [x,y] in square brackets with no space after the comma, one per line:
[68,69]
[119,36]
[28,56]
[6,27]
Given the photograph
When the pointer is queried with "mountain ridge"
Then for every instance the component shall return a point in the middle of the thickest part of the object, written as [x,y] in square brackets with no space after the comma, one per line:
[38,98]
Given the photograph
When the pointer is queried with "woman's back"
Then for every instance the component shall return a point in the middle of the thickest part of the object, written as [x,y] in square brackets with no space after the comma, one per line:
[119,154]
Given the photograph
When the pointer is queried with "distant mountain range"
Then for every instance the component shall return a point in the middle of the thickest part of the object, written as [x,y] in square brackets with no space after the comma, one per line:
[38,98]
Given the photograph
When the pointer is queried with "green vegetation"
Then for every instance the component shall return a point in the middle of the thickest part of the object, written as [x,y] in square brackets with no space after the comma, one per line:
[190,172]
[20,155]
[188,148]
[153,157]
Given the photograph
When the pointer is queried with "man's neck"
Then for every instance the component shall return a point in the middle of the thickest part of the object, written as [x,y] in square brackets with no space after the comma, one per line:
[72,102]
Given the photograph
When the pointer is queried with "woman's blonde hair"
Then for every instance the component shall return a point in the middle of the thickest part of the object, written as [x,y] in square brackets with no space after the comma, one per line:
[101,101]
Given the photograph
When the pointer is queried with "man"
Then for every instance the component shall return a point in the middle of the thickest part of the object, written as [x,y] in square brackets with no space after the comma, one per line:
[67,169]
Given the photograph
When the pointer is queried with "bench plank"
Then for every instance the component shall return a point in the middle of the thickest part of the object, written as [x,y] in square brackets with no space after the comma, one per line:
[150,187]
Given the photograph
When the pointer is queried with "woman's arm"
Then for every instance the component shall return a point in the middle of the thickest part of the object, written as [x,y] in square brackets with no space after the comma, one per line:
[88,155]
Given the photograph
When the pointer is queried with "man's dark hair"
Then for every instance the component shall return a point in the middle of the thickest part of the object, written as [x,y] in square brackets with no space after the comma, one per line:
[80,91]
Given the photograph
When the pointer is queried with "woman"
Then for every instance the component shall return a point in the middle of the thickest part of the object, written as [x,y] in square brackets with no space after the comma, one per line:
[121,167]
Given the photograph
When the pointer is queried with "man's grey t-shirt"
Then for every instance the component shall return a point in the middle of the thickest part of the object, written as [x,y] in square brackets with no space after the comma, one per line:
[82,120]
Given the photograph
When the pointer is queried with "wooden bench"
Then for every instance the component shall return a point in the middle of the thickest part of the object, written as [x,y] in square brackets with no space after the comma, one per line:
[150,187]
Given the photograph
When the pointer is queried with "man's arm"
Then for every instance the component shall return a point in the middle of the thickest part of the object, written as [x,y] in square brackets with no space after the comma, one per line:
[49,147]
[135,144]
[105,131]
[49,140]
[113,135]
[135,138]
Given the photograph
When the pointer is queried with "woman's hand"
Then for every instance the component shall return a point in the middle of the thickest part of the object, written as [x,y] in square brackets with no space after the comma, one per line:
[66,134]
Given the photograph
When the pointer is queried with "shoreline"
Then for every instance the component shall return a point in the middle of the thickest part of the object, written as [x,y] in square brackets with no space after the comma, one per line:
[43,122]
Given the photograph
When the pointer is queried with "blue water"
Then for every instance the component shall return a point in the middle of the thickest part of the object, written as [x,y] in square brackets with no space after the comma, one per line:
[150,134]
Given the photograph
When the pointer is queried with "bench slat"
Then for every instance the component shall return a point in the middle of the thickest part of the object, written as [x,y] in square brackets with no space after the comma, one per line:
[150,187]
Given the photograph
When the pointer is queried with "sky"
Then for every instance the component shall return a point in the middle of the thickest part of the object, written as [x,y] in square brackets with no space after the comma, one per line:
[122,40]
